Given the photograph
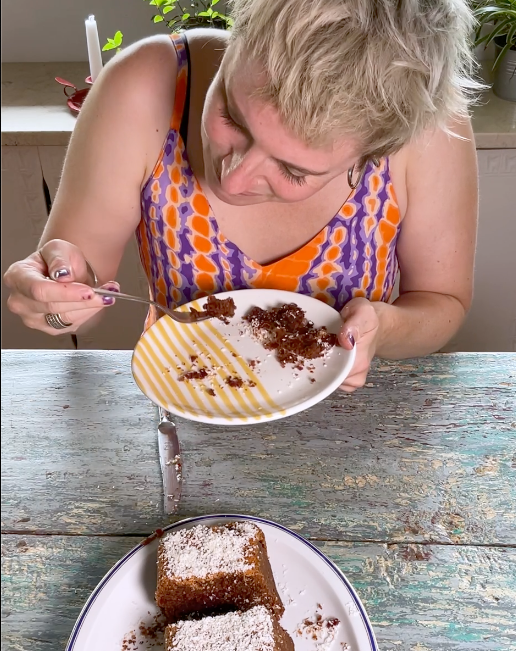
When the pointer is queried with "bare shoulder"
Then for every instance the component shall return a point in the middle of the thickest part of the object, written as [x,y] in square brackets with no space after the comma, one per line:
[148,66]
[442,147]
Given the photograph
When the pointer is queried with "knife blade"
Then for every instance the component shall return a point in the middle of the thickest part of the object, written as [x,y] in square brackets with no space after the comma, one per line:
[170,462]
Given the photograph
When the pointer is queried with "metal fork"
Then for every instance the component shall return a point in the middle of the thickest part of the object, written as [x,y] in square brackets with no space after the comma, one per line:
[177,315]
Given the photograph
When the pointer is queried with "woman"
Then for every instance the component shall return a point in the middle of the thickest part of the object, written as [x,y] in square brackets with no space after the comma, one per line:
[321,146]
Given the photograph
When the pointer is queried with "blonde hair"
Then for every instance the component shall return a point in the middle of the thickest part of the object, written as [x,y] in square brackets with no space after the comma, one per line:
[382,70]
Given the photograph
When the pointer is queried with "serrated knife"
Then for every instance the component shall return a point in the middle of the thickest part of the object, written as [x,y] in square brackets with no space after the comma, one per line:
[170,462]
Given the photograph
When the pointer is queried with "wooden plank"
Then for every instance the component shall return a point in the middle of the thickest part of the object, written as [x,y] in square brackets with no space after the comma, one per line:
[491,323]
[52,161]
[419,598]
[425,452]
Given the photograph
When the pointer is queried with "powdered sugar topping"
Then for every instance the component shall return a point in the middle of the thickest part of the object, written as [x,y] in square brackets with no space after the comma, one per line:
[251,631]
[203,550]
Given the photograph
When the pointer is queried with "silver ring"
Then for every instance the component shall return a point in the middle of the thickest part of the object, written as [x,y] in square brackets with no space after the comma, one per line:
[55,321]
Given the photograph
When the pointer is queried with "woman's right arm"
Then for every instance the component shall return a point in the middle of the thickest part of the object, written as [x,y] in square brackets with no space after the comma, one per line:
[113,150]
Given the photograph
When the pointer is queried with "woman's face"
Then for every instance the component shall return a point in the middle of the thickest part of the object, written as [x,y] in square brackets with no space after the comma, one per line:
[250,157]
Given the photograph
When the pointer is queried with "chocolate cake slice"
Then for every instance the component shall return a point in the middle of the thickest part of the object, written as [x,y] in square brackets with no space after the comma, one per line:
[206,568]
[253,630]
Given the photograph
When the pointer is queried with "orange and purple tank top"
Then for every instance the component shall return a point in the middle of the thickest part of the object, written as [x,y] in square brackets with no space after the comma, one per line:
[186,257]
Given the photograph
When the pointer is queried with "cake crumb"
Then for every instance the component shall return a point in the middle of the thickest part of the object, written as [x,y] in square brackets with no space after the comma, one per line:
[234,381]
[222,309]
[321,630]
[287,331]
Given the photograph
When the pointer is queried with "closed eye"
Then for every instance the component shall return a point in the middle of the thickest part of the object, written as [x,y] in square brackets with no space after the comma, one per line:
[292,178]
[227,119]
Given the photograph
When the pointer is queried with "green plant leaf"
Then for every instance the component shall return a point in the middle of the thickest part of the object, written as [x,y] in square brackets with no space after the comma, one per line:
[204,13]
[114,42]
[157,19]
[214,2]
[185,16]
[167,10]
[499,30]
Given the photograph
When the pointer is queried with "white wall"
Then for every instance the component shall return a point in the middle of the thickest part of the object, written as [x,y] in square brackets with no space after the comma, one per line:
[53,30]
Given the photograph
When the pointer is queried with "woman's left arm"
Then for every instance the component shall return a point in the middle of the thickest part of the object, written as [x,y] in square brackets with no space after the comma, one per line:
[436,251]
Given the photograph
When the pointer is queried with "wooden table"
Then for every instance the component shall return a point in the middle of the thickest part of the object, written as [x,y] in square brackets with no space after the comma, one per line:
[408,485]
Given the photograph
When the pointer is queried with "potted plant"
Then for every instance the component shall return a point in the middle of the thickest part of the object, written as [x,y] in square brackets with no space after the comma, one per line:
[178,15]
[498,17]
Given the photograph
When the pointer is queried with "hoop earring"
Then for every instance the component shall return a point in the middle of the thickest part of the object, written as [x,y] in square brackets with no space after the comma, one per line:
[354,184]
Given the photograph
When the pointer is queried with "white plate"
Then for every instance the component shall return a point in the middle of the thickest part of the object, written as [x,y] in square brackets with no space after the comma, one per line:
[305,579]
[165,350]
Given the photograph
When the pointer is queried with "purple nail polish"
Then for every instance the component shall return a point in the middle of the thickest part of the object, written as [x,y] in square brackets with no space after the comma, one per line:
[60,273]
[108,300]
[112,288]
[351,339]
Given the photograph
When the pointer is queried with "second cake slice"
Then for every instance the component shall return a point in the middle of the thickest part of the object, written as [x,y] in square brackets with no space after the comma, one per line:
[206,568]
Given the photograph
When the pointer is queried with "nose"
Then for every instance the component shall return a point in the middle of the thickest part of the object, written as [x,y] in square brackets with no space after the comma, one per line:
[239,172]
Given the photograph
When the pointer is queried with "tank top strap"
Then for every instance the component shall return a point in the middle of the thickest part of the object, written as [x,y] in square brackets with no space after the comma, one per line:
[182,86]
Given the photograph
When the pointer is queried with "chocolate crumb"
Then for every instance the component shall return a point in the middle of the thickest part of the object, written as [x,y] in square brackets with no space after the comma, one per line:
[287,331]
[234,381]
[223,309]
[193,375]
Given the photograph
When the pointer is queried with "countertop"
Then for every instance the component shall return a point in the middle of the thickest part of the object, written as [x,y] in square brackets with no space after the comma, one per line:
[34,110]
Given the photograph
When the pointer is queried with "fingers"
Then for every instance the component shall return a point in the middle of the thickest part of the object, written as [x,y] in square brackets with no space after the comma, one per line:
[359,318]
[37,321]
[64,261]
[353,382]
[33,295]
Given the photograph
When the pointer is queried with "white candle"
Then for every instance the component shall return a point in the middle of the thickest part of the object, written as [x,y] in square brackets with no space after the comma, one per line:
[94,52]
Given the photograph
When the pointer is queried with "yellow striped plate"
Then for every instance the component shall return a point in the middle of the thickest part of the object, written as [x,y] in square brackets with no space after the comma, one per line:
[269,392]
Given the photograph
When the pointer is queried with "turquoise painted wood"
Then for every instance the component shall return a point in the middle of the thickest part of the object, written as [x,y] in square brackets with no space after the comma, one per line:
[399,460]
[409,485]
[419,598]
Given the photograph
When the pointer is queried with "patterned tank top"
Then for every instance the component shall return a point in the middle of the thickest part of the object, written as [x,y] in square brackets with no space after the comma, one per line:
[186,256]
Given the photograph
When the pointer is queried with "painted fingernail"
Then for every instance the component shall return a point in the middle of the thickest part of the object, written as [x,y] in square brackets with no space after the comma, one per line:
[351,339]
[108,300]
[60,273]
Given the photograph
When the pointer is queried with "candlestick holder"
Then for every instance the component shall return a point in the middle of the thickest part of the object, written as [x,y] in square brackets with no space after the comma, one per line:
[74,96]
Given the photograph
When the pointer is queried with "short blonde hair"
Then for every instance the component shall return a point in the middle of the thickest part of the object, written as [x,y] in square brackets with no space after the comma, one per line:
[382,70]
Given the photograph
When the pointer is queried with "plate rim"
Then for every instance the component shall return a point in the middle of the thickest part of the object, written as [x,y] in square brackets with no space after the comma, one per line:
[222,516]
[277,415]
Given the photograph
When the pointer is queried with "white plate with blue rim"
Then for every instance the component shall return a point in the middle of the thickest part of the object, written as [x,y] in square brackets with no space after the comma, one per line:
[322,610]
[268,390]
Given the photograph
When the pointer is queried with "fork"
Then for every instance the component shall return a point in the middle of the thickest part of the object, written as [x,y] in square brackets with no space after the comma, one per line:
[177,315]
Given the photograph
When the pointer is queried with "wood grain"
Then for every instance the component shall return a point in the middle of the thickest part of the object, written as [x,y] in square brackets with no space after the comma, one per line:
[425,453]
[408,485]
[419,598]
